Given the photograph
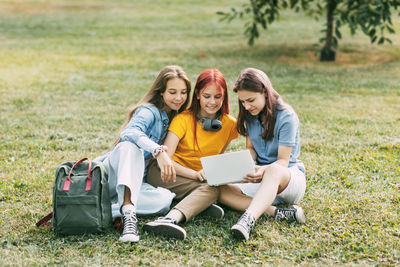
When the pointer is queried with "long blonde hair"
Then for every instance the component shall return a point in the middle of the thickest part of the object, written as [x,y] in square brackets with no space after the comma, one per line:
[153,96]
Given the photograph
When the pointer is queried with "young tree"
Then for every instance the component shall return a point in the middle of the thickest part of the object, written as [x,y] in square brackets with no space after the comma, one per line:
[373,17]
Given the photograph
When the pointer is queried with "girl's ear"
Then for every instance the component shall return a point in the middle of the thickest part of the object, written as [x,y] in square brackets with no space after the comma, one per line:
[265,93]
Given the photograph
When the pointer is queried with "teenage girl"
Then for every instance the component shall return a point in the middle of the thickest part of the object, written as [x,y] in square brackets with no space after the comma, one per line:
[271,128]
[205,129]
[139,141]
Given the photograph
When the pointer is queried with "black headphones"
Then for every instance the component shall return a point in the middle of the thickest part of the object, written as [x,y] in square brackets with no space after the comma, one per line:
[211,125]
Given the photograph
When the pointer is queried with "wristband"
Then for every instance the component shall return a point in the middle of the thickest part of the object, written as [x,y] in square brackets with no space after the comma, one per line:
[159,150]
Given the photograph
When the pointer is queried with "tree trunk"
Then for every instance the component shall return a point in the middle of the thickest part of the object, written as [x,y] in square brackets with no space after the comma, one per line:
[327,52]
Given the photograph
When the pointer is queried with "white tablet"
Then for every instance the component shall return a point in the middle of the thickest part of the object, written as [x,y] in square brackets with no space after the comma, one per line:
[227,168]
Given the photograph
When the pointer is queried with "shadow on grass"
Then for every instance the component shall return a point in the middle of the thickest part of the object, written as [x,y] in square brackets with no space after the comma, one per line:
[308,55]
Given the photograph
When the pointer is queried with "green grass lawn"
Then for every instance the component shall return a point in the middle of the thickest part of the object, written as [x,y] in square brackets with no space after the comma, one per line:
[70,69]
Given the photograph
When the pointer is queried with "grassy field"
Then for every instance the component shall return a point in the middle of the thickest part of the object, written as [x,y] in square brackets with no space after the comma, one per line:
[70,69]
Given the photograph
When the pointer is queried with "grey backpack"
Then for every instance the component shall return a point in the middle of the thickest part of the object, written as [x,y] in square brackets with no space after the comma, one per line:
[81,200]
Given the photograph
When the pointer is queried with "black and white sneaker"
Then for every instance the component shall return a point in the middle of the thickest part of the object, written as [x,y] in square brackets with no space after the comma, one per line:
[130,232]
[214,211]
[290,214]
[242,229]
[165,226]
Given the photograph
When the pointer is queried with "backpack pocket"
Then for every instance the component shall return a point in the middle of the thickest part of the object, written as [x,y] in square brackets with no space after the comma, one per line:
[76,214]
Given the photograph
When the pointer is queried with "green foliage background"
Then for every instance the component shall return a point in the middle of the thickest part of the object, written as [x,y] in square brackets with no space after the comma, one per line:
[70,69]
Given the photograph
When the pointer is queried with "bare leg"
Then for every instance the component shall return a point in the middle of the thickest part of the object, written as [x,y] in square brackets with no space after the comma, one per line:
[127,197]
[275,180]
[176,215]
[233,197]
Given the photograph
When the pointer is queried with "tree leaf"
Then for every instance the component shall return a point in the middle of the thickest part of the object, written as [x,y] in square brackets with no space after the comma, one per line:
[338,34]
[372,32]
[390,29]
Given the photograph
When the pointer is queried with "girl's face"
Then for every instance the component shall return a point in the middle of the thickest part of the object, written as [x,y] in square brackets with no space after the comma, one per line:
[211,99]
[253,102]
[175,94]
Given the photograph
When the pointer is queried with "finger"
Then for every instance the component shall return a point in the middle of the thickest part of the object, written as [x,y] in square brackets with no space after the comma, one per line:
[248,177]
[163,178]
[167,174]
[173,174]
[251,180]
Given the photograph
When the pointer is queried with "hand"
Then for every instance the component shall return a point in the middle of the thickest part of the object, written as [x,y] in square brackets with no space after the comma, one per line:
[200,176]
[257,176]
[167,168]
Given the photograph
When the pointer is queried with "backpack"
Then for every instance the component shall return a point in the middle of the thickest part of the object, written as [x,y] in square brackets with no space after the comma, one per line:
[81,198]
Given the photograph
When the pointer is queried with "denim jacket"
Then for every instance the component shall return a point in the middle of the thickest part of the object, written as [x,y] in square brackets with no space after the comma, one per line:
[147,129]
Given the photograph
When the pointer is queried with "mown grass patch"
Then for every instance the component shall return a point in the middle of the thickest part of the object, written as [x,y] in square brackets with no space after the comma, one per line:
[69,71]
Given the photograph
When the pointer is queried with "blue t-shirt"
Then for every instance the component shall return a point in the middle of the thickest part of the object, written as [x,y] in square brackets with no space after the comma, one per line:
[286,133]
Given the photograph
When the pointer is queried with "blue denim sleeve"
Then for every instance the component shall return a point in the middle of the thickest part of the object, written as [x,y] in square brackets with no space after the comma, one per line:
[135,131]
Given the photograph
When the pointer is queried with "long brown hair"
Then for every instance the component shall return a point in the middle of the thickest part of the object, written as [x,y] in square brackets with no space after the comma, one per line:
[255,80]
[208,77]
[153,96]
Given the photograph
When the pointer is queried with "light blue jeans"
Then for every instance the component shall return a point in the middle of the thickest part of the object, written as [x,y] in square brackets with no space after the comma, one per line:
[126,167]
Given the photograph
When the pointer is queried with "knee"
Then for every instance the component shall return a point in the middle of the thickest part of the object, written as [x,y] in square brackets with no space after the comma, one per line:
[224,194]
[211,189]
[127,146]
[276,172]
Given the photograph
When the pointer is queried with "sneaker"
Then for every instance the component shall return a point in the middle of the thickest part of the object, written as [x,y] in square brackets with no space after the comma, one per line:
[242,229]
[214,211]
[130,232]
[165,226]
[291,214]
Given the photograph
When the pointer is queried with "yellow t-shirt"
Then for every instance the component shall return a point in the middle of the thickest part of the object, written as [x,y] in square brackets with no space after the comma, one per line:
[210,143]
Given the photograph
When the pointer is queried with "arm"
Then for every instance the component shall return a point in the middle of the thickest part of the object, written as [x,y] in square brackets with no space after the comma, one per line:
[250,147]
[287,135]
[258,170]
[135,130]
[171,142]
[283,160]
[224,148]
[233,135]
[284,155]
[166,166]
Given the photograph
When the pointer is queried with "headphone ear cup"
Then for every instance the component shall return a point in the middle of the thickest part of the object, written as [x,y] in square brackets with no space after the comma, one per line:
[207,124]
[216,125]
[212,125]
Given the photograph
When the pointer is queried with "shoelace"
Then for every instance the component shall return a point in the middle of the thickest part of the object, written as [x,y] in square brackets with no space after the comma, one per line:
[285,213]
[130,223]
[247,221]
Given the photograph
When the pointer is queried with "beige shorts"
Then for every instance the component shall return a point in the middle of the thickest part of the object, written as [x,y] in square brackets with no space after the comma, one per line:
[292,194]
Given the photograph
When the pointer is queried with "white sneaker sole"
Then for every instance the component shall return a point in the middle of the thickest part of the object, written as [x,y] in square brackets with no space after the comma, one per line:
[165,229]
[300,217]
[129,238]
[239,232]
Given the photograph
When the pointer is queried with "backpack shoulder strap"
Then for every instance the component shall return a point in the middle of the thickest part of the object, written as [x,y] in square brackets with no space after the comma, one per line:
[44,220]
